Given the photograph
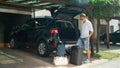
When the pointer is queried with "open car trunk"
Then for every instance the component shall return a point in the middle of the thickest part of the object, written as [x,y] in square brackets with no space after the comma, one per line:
[67,13]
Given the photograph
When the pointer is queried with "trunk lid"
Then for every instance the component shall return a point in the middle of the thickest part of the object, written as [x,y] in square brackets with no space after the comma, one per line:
[66,12]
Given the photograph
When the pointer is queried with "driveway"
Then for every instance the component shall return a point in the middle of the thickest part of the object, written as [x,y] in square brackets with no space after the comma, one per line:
[22,59]
[115,63]
[27,58]
[113,48]
[112,64]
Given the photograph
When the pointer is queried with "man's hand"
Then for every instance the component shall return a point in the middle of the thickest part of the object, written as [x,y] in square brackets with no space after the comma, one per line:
[88,39]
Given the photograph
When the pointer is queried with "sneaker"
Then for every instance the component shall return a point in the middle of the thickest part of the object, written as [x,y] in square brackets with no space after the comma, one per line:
[87,61]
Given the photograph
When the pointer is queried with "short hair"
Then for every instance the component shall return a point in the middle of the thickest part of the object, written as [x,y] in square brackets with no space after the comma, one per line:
[82,15]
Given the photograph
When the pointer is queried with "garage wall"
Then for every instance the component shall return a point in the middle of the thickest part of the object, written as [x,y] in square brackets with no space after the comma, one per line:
[8,21]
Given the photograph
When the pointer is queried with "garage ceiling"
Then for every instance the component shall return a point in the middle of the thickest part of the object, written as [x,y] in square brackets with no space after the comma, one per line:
[33,3]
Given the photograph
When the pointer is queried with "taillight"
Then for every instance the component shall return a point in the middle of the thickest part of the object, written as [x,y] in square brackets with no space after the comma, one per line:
[54,31]
[54,45]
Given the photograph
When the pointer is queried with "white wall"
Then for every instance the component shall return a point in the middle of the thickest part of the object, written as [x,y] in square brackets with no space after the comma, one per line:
[14,11]
[114,23]
[41,13]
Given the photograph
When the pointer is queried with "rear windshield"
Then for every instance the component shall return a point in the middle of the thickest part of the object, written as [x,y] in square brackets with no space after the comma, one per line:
[64,24]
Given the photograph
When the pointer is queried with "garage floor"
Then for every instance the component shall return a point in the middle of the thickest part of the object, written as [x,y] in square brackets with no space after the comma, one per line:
[24,58]
[27,58]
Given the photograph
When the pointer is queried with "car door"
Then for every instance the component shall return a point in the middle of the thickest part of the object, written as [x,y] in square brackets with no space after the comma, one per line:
[115,37]
[117,34]
[29,32]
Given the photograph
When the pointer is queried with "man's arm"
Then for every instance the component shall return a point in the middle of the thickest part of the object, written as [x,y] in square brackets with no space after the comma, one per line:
[91,32]
[88,38]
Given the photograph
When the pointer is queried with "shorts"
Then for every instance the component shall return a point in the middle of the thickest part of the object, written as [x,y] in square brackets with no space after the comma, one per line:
[83,42]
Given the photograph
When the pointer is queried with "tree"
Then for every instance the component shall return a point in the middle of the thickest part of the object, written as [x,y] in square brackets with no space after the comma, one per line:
[104,9]
[101,9]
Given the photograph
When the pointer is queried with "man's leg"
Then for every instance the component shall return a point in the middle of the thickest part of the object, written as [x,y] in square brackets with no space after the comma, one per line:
[79,42]
[87,48]
[88,54]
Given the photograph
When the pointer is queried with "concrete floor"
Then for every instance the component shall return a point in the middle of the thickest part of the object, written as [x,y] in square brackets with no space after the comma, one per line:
[112,64]
[27,58]
[24,58]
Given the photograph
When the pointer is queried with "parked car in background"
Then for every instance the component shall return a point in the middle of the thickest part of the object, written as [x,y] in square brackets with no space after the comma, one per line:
[114,37]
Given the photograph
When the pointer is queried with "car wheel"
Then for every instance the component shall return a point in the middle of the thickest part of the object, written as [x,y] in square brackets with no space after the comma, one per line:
[13,43]
[42,49]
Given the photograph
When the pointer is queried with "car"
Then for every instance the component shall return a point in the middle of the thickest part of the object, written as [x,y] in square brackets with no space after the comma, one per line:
[37,33]
[42,32]
[114,37]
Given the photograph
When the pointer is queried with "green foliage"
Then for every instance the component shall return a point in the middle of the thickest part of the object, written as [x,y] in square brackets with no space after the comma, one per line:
[107,55]
[70,1]
[105,8]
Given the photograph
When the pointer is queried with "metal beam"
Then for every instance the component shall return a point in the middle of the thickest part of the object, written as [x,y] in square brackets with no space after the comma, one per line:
[55,1]
[15,11]
[16,1]
[19,3]
[36,3]
[50,4]
[23,1]
[14,4]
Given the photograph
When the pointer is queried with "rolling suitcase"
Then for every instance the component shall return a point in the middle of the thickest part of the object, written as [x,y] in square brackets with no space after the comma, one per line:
[76,55]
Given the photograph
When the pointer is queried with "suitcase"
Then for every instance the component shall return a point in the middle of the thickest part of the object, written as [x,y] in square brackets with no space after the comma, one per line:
[76,55]
[60,49]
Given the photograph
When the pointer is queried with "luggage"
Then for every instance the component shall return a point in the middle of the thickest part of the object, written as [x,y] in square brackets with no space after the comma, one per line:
[60,49]
[60,60]
[76,55]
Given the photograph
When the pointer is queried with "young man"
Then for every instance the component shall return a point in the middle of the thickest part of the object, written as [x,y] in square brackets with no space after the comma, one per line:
[86,32]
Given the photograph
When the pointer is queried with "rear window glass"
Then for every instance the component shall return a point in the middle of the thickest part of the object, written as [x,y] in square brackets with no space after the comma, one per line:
[64,24]
[44,22]
[118,31]
[29,24]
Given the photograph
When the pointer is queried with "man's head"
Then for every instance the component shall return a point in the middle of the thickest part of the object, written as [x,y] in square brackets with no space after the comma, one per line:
[83,17]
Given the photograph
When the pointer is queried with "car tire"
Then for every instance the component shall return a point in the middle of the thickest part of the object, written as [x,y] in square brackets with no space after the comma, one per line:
[13,43]
[42,49]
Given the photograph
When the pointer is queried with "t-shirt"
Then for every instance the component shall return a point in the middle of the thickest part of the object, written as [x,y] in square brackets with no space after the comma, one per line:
[86,27]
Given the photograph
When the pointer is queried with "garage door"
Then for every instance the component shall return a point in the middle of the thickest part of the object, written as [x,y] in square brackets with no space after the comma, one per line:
[8,21]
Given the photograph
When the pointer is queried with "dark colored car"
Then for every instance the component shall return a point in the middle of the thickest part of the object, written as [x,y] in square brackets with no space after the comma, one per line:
[114,37]
[39,32]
